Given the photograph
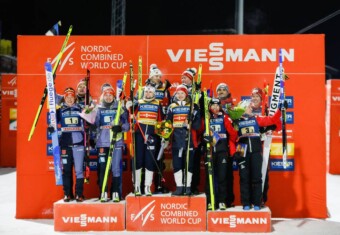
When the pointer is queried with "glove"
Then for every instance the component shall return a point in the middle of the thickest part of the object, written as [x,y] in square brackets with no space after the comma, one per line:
[207,138]
[50,129]
[238,156]
[92,143]
[285,105]
[164,110]
[165,142]
[198,86]
[128,104]
[116,128]
[167,84]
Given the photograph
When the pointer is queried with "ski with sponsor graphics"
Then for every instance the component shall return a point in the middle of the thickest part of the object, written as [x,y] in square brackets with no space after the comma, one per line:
[114,136]
[53,123]
[283,111]
[60,54]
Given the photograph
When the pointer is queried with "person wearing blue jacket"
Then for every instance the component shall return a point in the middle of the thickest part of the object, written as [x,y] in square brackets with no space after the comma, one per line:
[104,122]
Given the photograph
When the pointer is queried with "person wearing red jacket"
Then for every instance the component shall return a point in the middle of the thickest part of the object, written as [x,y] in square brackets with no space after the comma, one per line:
[250,165]
[223,141]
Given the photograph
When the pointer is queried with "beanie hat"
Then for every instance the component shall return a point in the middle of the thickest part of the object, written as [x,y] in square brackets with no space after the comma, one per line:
[69,91]
[182,88]
[222,85]
[105,85]
[257,91]
[214,101]
[190,73]
[154,70]
[150,88]
[82,81]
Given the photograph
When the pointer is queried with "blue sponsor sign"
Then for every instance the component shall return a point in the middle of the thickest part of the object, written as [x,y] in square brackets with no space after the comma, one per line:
[290,101]
[49,149]
[290,117]
[93,164]
[277,165]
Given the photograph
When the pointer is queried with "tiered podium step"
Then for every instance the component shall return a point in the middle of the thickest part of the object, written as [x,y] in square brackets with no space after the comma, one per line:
[237,220]
[162,212]
[90,215]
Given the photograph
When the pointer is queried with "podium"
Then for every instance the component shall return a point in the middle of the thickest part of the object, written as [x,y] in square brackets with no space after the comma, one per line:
[162,212]
[237,220]
[89,215]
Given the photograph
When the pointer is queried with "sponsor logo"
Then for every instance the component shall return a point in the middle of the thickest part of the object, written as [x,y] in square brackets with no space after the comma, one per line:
[83,220]
[277,165]
[13,81]
[276,149]
[290,117]
[216,55]
[335,98]
[234,220]
[145,213]
[49,150]
[9,93]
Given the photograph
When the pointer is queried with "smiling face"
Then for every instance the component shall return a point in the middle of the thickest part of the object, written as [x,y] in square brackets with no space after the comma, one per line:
[256,100]
[180,95]
[186,80]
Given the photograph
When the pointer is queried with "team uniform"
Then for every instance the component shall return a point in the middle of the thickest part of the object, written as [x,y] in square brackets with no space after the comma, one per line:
[179,113]
[248,127]
[147,114]
[106,114]
[222,153]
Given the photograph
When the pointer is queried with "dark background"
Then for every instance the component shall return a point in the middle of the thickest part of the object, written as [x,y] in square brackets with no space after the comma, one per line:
[174,17]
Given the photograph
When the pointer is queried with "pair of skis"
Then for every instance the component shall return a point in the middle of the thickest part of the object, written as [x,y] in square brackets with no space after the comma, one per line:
[87,130]
[277,97]
[49,92]
[194,99]
[209,150]
[113,136]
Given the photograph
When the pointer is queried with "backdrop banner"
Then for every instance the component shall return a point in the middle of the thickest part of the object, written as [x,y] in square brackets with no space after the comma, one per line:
[241,61]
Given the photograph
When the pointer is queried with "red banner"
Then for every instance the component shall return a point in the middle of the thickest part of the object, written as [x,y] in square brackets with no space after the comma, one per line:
[241,61]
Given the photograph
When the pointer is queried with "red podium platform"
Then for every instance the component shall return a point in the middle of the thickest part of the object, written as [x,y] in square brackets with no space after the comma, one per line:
[90,215]
[162,212]
[237,220]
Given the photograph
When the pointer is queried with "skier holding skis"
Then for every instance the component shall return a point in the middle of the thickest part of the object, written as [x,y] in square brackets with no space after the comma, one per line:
[162,94]
[179,113]
[223,150]
[106,113]
[187,79]
[257,98]
[147,113]
[225,97]
[71,144]
[250,166]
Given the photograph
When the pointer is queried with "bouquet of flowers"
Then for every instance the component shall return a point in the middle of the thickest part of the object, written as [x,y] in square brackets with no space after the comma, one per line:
[237,111]
[164,129]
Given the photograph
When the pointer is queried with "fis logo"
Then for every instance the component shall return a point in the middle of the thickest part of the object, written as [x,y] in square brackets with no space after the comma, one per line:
[67,59]
[13,81]
[145,213]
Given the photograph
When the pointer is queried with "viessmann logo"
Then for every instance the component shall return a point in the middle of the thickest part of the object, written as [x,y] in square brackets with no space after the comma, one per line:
[233,221]
[83,220]
[217,55]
